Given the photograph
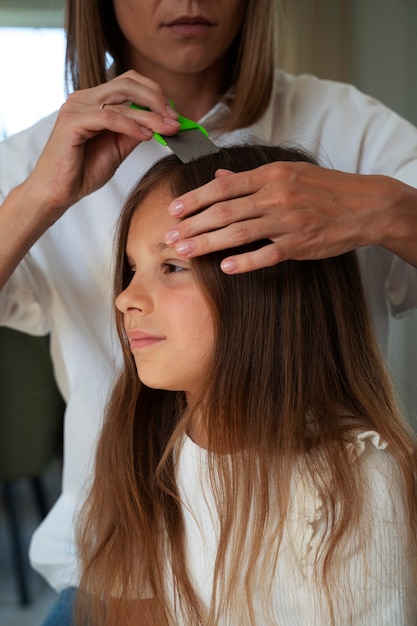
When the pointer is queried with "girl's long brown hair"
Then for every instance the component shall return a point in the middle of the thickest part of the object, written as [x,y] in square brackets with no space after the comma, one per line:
[295,369]
[94,40]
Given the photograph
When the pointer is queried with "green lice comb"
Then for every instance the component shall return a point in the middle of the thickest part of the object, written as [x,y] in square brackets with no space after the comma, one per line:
[191,141]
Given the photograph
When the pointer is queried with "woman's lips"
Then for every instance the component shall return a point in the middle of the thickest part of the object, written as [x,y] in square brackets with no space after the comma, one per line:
[190,26]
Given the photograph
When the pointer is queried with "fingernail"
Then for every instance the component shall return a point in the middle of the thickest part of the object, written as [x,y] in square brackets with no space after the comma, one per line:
[171,237]
[184,248]
[146,131]
[173,114]
[228,266]
[171,122]
[176,208]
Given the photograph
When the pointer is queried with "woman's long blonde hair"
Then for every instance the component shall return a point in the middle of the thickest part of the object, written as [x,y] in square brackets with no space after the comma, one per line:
[94,38]
[295,368]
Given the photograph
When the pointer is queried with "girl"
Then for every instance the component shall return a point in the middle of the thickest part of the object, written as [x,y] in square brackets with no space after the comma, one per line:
[61,183]
[253,466]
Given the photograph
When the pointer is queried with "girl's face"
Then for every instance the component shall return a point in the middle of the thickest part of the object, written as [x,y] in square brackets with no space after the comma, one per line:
[167,319]
[185,36]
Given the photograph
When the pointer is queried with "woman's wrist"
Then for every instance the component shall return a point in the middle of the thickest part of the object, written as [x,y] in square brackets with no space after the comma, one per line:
[398,220]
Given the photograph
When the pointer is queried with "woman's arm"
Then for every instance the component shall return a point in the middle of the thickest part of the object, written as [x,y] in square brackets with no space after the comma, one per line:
[86,146]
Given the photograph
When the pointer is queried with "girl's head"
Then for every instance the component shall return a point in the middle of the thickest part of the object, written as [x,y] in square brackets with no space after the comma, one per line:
[166,316]
[241,40]
[275,323]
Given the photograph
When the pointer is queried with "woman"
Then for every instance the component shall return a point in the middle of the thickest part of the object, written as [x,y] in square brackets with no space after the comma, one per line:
[62,181]
[261,472]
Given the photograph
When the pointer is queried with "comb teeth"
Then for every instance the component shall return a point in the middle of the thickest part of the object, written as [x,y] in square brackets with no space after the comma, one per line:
[190,144]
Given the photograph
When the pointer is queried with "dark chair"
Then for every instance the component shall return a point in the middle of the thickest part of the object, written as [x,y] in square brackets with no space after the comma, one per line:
[31,422]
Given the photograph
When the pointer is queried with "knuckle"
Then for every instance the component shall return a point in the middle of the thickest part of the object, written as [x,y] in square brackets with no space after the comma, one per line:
[273,254]
[223,212]
[65,113]
[128,74]
[272,172]
[72,99]
[289,174]
[223,185]
[239,234]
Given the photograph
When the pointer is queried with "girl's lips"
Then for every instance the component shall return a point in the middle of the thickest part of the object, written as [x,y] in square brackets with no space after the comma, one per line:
[139,340]
[139,344]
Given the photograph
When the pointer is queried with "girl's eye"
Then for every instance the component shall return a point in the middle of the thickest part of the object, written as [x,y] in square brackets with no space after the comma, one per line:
[171,268]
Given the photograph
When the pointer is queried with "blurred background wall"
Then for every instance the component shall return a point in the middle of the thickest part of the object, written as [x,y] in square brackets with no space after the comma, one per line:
[372,44]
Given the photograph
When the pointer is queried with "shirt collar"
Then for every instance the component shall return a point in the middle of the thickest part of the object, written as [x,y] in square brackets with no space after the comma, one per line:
[259,131]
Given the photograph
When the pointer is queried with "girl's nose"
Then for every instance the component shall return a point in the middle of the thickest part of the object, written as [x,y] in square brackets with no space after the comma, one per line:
[134,297]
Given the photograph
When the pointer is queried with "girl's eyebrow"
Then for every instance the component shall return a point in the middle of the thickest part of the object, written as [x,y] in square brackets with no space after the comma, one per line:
[156,247]
[161,247]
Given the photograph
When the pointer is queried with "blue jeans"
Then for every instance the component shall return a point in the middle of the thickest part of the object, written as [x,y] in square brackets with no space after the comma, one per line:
[61,612]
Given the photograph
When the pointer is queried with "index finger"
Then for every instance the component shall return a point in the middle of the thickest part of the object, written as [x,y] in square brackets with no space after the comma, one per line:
[217,190]
[133,87]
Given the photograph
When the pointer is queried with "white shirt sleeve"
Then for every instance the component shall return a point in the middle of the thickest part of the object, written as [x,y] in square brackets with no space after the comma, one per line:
[25,300]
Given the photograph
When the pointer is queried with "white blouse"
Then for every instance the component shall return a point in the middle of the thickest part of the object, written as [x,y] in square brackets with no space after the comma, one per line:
[380,590]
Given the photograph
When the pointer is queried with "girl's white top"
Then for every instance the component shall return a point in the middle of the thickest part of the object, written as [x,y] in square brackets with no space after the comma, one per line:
[375,564]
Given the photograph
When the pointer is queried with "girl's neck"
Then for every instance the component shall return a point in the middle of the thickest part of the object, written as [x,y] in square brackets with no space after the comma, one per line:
[198,435]
[196,429]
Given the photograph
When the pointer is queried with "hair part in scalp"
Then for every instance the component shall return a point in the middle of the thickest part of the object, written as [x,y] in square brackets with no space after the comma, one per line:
[309,373]
[94,38]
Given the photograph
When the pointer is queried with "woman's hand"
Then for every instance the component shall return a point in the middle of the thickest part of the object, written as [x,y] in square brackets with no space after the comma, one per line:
[307,211]
[94,132]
